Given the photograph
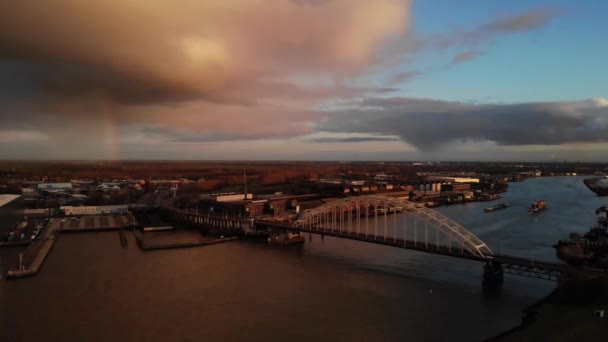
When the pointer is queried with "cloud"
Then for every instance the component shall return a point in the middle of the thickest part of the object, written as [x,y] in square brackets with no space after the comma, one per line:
[431,124]
[401,77]
[80,78]
[504,25]
[310,2]
[8,136]
[353,139]
[522,22]
[179,136]
[203,70]
[150,52]
[466,56]
[401,52]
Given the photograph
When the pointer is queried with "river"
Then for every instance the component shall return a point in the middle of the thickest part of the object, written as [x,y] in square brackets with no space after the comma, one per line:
[91,289]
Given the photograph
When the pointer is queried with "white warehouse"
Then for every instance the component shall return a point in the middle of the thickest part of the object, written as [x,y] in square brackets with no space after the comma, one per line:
[95,210]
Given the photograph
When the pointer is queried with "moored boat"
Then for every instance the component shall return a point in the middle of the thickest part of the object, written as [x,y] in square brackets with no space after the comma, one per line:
[496,207]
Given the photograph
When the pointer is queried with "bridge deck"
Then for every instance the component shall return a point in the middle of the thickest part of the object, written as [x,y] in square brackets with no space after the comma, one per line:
[512,264]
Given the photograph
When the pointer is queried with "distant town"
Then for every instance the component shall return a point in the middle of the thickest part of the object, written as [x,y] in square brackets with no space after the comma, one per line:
[56,185]
[263,190]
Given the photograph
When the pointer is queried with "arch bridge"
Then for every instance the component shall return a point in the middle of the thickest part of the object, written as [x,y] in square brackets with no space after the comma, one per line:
[372,217]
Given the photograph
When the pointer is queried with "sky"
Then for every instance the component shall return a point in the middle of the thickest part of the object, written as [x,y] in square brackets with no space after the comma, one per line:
[435,80]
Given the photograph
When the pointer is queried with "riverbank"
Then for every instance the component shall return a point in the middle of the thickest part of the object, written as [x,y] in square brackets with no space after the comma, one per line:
[598,185]
[569,313]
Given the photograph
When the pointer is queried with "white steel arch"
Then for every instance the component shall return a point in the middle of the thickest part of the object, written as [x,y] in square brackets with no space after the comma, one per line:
[345,209]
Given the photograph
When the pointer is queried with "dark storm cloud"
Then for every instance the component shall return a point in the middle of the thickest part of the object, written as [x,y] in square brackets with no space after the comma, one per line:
[428,124]
[127,88]
[132,53]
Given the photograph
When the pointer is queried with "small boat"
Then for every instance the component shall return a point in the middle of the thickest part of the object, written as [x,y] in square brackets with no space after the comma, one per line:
[537,206]
[496,207]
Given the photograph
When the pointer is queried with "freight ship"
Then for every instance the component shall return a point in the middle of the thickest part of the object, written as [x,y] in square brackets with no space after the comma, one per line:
[537,206]
[496,207]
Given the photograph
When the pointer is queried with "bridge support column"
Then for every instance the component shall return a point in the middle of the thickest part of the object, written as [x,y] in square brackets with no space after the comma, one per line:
[492,275]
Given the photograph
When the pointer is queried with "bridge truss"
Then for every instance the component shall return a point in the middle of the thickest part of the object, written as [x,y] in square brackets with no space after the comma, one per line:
[369,216]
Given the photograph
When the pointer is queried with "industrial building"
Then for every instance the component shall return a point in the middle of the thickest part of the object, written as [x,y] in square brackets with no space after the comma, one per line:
[453,179]
[226,197]
[11,211]
[95,210]
[54,186]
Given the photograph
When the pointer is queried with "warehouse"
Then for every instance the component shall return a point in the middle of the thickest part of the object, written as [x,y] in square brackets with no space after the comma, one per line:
[95,210]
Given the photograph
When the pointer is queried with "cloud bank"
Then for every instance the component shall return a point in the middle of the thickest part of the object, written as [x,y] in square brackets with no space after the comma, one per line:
[231,51]
[431,124]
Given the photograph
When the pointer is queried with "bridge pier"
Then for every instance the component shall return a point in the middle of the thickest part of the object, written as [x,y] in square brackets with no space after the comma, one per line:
[493,275]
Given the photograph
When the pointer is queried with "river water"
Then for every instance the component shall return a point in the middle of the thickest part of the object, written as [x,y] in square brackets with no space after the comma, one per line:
[91,289]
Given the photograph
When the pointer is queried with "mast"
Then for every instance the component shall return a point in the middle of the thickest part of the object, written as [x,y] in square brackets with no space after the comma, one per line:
[245,182]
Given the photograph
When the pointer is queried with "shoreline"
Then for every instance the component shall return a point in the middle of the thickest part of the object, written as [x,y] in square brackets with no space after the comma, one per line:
[571,307]
[591,184]
[529,317]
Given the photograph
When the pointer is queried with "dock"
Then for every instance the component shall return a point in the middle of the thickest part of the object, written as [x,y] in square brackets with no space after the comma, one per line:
[180,239]
[96,223]
[38,252]
[160,238]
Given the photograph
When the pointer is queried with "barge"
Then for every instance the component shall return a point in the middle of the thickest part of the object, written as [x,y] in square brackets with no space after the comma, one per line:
[496,207]
[537,206]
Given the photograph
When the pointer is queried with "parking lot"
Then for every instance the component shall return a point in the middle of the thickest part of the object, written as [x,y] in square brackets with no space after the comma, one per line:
[25,231]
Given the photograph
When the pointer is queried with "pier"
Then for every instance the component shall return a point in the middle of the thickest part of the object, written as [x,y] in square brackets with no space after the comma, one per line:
[152,239]
[95,223]
[148,241]
[38,251]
